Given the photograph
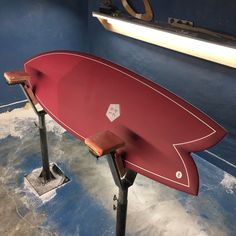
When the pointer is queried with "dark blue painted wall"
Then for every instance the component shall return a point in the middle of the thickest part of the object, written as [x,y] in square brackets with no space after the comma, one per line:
[209,86]
[29,27]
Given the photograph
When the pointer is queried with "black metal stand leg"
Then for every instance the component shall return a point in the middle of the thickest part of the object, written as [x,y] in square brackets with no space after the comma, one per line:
[39,179]
[121,211]
[123,184]
[46,173]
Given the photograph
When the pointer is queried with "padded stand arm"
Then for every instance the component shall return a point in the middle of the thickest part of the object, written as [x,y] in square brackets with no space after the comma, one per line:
[20,77]
[104,143]
[16,77]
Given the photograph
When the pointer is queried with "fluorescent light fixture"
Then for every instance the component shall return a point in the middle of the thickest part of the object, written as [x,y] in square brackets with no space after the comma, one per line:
[208,50]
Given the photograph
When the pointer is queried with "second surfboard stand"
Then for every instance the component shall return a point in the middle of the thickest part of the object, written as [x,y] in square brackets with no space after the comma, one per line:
[50,176]
[106,143]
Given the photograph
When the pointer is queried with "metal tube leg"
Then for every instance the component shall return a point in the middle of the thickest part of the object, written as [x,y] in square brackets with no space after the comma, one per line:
[46,173]
[121,211]
[123,184]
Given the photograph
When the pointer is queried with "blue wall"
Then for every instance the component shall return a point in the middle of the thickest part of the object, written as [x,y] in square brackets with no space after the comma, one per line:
[29,27]
[209,86]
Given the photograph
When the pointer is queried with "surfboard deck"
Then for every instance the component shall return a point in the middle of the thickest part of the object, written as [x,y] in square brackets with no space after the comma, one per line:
[87,95]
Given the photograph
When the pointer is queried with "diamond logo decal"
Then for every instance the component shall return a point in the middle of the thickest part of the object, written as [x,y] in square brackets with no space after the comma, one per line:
[113,112]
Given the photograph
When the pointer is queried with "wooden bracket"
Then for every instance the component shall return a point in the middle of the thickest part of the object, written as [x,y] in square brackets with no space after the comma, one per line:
[104,143]
[21,77]
[16,77]
[147,16]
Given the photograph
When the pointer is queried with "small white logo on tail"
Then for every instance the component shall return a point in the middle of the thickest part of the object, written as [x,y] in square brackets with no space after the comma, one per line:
[179,175]
[113,112]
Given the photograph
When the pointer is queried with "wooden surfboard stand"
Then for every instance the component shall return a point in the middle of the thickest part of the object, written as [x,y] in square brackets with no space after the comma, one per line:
[105,144]
[50,176]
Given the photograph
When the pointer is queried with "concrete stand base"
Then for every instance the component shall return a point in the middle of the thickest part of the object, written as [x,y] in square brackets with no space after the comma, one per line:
[42,187]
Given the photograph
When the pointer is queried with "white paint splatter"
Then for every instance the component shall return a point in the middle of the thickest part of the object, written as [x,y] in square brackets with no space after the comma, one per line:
[33,197]
[229,183]
[153,209]
[18,122]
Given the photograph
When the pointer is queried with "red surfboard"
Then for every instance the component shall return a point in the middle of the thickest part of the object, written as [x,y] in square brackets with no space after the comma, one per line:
[87,95]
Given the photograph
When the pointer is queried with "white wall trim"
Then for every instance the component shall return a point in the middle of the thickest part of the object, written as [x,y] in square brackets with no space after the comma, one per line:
[13,103]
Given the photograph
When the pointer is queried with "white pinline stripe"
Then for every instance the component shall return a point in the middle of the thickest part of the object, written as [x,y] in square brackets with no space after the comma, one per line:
[13,103]
[160,176]
[57,119]
[220,158]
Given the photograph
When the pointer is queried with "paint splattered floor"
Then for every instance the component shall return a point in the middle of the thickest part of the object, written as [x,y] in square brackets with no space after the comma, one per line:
[84,206]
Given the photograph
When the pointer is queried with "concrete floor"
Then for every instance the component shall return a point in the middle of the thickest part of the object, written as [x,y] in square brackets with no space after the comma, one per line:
[84,205]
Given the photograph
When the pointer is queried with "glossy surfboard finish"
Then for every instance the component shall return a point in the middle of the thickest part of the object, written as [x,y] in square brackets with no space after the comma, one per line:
[87,95]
